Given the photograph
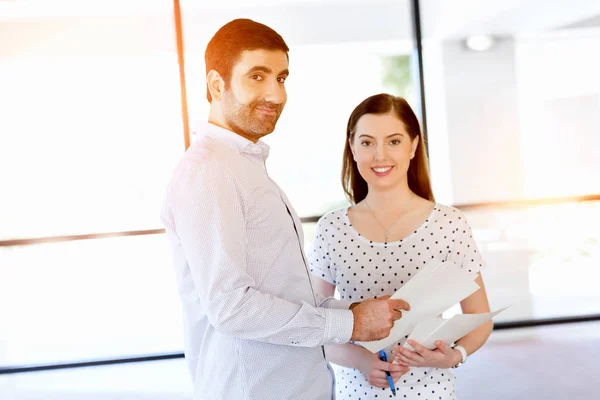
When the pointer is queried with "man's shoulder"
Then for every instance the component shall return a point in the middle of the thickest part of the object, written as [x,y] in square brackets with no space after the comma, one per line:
[207,156]
[205,162]
[208,149]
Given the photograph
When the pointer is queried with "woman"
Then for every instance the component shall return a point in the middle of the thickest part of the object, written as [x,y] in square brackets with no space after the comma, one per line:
[373,247]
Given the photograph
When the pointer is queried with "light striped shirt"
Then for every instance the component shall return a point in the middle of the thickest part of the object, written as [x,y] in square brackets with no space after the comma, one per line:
[253,330]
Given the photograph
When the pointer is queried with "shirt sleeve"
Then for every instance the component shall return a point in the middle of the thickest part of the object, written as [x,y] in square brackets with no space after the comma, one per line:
[465,251]
[208,214]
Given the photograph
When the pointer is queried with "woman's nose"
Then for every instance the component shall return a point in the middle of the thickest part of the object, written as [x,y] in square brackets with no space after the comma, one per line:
[380,152]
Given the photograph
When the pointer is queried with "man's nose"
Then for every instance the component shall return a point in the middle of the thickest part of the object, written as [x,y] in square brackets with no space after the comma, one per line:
[275,92]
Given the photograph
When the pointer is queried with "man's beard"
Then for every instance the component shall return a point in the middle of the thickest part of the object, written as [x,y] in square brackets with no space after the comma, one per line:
[247,121]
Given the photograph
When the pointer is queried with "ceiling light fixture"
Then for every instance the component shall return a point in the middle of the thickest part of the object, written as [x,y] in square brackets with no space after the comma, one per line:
[479,42]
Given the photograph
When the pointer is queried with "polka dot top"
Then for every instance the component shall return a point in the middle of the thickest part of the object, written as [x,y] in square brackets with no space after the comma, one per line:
[361,268]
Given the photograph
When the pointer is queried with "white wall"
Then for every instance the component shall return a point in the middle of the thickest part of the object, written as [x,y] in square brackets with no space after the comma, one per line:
[482,129]
[559,101]
[519,121]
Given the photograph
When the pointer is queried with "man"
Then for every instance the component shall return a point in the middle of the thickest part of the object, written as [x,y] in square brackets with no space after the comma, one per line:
[253,326]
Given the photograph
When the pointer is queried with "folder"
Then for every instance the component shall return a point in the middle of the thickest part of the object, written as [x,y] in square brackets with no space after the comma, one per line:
[437,287]
[429,331]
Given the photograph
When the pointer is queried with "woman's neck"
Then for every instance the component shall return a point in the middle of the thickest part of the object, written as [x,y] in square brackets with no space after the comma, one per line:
[399,199]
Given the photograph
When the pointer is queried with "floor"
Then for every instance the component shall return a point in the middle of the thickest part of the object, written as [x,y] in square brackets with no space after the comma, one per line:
[553,362]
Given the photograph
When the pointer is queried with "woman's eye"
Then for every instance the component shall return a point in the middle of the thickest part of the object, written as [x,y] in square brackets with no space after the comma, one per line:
[365,143]
[395,142]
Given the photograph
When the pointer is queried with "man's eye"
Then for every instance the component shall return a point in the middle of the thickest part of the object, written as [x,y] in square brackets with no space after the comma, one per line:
[256,77]
[281,79]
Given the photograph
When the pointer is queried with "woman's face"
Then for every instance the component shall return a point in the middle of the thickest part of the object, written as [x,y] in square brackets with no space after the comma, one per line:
[382,150]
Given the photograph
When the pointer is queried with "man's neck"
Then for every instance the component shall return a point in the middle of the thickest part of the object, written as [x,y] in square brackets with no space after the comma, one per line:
[220,122]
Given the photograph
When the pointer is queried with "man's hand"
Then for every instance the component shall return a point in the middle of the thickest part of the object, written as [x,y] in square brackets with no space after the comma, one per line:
[374,318]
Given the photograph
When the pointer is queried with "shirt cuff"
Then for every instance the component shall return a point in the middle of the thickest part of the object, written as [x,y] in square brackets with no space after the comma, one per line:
[333,303]
[339,325]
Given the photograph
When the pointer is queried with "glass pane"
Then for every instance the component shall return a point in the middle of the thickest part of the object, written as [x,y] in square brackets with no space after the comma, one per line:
[91,299]
[90,131]
[91,123]
[513,106]
[307,147]
[309,229]
[513,114]
[545,270]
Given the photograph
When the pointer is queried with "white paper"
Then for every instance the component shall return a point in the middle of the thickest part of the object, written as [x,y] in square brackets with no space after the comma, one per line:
[436,288]
[430,330]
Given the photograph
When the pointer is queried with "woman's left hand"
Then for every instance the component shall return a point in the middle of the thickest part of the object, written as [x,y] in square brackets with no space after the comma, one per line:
[442,357]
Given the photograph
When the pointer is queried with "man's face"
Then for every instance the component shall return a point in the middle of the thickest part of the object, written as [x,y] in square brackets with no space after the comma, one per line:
[254,98]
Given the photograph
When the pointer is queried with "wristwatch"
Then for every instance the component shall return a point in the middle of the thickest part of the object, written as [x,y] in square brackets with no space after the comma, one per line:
[463,352]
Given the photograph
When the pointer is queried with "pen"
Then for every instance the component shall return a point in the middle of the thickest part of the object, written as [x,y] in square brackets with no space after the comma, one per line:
[383,357]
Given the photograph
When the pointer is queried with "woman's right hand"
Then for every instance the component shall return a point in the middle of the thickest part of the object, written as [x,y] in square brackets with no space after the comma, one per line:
[374,370]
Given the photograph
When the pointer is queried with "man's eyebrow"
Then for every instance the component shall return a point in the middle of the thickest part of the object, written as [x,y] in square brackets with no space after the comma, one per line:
[266,70]
[260,68]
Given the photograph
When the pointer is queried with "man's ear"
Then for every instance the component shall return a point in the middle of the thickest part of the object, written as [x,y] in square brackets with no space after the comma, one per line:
[216,84]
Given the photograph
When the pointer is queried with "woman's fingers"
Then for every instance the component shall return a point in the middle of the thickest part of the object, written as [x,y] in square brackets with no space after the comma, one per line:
[382,383]
[447,350]
[397,361]
[390,367]
[405,360]
[418,347]
[379,377]
[378,374]
[397,375]
[410,355]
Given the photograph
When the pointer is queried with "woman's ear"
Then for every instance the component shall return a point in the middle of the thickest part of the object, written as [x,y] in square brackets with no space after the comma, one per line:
[415,146]
[215,84]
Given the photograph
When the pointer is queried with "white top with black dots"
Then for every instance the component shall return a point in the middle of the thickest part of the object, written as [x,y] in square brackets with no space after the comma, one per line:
[361,269]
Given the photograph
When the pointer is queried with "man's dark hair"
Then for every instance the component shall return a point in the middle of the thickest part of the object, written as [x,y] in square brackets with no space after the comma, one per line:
[224,49]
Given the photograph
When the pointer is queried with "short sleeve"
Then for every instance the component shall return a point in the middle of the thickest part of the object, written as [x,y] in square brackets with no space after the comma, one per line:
[465,251]
[319,259]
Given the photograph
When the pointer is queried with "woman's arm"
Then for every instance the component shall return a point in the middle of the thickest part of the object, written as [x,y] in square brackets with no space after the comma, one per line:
[476,303]
[353,356]
[346,355]
[444,356]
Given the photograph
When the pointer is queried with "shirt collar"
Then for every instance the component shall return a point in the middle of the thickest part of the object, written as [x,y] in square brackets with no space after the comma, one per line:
[233,140]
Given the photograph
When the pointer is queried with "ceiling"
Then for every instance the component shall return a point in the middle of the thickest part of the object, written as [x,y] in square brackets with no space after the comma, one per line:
[320,21]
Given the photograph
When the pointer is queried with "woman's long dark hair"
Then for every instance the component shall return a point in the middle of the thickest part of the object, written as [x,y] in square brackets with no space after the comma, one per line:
[418,172]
